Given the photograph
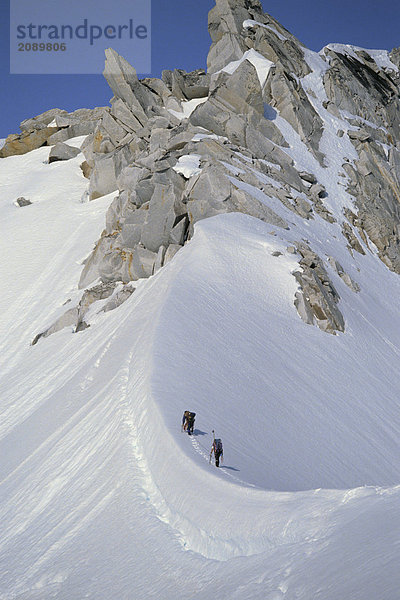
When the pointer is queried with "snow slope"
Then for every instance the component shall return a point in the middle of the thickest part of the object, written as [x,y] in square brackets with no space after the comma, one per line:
[102,495]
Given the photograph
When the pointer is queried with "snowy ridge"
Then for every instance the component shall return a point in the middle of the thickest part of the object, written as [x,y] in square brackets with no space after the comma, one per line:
[102,495]
[248,530]
[100,413]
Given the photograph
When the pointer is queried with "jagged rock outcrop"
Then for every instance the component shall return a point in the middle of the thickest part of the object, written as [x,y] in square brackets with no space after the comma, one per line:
[375,184]
[367,95]
[43,120]
[26,141]
[236,27]
[356,84]
[225,23]
[75,317]
[193,145]
[21,202]
[186,86]
[277,44]
[286,95]
[61,151]
[80,122]
[337,267]
[317,301]
[51,127]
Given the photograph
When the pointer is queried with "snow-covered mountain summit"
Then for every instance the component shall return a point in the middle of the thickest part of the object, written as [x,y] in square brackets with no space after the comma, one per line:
[225,242]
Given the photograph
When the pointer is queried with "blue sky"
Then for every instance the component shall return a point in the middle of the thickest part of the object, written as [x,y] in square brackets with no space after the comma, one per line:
[180,39]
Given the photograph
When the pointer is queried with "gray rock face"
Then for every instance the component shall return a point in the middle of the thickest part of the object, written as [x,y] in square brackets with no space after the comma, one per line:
[196,84]
[247,204]
[27,141]
[249,130]
[21,202]
[118,298]
[170,253]
[86,169]
[124,116]
[80,117]
[240,90]
[163,91]
[106,170]
[80,122]
[126,265]
[92,264]
[78,129]
[123,81]
[43,120]
[279,46]
[62,152]
[160,218]
[186,86]
[208,195]
[213,116]
[121,77]
[283,93]
[228,15]
[68,319]
[52,127]
[358,86]
[225,25]
[75,317]
[337,267]
[131,230]
[229,48]
[317,300]
[375,183]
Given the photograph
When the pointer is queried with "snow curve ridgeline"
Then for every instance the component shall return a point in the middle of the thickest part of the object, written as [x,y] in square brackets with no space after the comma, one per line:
[209,513]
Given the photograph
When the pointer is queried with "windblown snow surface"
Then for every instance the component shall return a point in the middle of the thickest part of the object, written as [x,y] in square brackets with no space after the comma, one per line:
[101,494]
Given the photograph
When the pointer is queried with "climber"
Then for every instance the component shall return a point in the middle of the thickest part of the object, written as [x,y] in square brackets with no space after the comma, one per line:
[184,420]
[218,451]
[188,421]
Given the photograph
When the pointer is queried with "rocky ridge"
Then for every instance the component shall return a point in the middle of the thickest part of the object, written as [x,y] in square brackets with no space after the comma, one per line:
[193,145]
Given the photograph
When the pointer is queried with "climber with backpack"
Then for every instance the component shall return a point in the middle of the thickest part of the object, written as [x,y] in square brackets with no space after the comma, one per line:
[217,449]
[188,421]
[184,420]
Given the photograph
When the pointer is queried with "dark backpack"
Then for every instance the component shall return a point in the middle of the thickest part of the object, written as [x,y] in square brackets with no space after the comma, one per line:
[191,416]
[218,445]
